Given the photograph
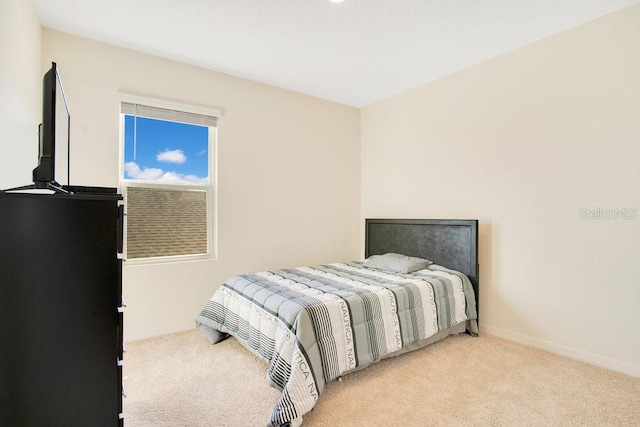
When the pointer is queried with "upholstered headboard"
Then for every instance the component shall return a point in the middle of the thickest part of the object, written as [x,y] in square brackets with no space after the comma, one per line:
[452,243]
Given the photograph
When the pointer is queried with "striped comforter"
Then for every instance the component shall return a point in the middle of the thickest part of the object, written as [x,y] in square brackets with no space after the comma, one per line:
[314,324]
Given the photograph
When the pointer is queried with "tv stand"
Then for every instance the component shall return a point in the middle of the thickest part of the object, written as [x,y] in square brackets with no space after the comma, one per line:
[61,322]
[53,186]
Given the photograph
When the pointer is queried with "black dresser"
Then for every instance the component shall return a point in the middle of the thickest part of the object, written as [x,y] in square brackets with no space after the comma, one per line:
[61,308]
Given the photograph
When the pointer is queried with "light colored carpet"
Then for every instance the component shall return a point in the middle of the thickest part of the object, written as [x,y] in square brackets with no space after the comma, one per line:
[183,380]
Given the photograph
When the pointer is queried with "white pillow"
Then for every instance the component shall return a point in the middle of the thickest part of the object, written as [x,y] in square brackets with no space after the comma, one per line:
[396,263]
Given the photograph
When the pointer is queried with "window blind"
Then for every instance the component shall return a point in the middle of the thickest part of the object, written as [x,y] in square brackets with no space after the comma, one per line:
[140,110]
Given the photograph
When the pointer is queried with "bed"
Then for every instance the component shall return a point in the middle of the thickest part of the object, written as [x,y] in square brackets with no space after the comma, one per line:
[314,324]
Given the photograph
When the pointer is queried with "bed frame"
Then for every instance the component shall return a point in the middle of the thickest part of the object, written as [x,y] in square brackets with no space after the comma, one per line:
[451,243]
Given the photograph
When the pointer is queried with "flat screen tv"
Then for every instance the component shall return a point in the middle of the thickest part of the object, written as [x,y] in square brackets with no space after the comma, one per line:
[53,155]
[52,172]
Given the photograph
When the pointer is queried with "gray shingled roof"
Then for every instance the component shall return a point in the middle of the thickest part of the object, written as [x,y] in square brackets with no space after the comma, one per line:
[163,222]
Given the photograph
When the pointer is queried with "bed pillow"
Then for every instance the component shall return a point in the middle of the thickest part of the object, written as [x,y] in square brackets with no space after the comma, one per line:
[396,263]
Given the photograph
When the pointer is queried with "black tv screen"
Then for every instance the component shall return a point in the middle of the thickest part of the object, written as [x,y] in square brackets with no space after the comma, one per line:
[53,156]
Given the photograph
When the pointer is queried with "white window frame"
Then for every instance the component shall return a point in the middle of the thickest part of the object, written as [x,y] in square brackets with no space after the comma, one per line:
[210,187]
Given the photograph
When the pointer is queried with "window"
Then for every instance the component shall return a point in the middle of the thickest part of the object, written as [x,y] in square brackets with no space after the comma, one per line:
[167,178]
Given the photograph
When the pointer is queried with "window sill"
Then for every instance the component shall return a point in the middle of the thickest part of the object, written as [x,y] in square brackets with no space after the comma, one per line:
[169,259]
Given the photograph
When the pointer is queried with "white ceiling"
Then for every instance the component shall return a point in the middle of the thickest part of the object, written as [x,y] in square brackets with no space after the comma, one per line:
[356,53]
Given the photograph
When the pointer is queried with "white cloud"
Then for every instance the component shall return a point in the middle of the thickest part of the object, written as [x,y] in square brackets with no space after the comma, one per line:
[172,156]
[195,179]
[149,174]
[134,171]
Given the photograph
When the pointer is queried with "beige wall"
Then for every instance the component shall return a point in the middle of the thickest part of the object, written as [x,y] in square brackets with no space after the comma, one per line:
[20,92]
[522,143]
[288,172]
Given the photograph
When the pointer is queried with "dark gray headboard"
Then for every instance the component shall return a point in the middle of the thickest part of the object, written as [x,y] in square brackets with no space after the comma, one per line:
[452,243]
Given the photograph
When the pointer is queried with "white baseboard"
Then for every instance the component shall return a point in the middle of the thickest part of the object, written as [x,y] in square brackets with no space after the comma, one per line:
[563,350]
[131,335]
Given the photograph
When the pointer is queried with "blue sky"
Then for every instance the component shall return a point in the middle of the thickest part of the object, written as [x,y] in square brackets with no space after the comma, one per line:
[165,151]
